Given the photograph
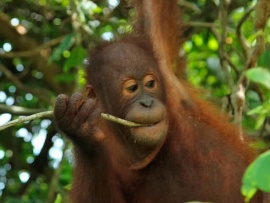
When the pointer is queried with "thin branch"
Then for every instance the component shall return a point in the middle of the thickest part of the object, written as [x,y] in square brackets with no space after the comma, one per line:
[239,100]
[228,59]
[32,52]
[26,119]
[189,5]
[215,33]
[240,36]
[226,63]
[223,14]
[40,163]
[53,189]
[50,114]
[40,61]
[18,110]
[41,93]
[262,14]
[201,24]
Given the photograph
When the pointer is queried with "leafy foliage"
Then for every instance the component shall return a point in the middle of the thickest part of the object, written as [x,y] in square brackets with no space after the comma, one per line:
[259,75]
[42,49]
[257,176]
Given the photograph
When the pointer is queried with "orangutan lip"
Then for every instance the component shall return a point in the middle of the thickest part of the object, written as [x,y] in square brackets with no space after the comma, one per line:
[154,123]
[145,125]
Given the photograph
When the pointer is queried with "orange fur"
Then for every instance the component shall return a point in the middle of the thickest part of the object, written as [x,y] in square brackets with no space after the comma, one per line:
[202,158]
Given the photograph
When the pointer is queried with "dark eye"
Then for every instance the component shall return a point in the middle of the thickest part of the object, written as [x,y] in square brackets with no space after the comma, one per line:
[150,84]
[132,88]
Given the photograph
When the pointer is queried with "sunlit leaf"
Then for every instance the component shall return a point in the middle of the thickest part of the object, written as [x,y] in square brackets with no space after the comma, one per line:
[257,176]
[81,77]
[213,44]
[259,75]
[256,110]
[67,42]
[97,10]
[68,187]
[251,38]
[65,3]
[248,192]
[58,198]
[198,40]
[262,111]
[259,121]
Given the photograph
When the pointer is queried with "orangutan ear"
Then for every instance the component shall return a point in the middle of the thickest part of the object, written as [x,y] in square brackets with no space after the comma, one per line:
[90,91]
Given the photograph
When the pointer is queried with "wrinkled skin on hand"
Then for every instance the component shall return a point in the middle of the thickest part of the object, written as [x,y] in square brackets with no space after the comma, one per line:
[78,118]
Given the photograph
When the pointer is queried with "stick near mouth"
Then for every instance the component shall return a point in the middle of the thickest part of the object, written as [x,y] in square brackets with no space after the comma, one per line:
[121,121]
[50,114]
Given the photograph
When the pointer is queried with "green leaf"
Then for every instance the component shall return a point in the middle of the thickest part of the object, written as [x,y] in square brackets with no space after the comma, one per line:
[67,42]
[257,176]
[58,198]
[248,191]
[197,40]
[67,77]
[262,112]
[264,59]
[212,44]
[256,110]
[81,77]
[259,75]
[263,172]
[97,10]
[76,58]
[259,121]
[68,187]
[262,109]
[252,37]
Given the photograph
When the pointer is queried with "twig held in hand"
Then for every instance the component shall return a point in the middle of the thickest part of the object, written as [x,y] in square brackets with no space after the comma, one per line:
[50,114]
[121,121]
[27,118]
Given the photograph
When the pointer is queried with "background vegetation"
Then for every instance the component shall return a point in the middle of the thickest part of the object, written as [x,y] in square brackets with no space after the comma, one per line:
[43,44]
